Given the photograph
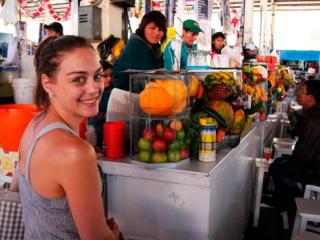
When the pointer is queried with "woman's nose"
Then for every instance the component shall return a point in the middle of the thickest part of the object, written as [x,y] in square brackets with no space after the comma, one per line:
[94,86]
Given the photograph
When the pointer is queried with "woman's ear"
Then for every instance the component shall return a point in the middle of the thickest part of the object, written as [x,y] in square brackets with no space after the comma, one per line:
[46,83]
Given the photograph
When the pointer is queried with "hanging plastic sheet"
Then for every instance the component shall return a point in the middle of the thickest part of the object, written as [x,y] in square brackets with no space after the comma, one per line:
[9,11]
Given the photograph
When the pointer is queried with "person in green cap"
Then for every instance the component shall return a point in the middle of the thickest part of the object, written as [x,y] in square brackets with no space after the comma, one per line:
[172,61]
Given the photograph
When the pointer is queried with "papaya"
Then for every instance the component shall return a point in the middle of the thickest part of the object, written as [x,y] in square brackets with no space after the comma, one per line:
[178,91]
[164,97]
[155,100]
[225,111]
[239,121]
[193,86]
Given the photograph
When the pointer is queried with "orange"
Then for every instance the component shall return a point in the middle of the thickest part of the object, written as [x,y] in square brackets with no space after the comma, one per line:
[176,125]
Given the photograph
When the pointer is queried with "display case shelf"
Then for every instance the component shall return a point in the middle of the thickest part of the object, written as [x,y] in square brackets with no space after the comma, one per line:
[159,112]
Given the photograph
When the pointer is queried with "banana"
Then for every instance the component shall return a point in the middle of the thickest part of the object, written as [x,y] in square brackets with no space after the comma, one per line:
[226,75]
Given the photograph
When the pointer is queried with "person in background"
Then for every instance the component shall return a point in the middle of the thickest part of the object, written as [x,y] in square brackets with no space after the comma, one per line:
[58,175]
[142,51]
[190,32]
[54,29]
[218,42]
[100,119]
[303,166]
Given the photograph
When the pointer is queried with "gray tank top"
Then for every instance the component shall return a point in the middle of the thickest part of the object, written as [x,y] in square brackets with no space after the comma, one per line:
[45,218]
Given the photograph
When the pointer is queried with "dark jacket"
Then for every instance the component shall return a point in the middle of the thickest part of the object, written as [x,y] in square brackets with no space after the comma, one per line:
[306,154]
[295,119]
[136,55]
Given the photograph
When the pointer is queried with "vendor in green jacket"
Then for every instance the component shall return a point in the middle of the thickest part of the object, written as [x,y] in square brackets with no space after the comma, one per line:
[190,34]
[142,51]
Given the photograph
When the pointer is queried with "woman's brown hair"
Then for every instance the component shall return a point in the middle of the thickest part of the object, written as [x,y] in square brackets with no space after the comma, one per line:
[158,19]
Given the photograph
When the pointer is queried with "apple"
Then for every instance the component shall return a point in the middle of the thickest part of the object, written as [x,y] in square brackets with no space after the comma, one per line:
[149,133]
[180,135]
[168,135]
[145,156]
[174,145]
[159,145]
[182,144]
[184,154]
[144,144]
[244,76]
[173,156]
[159,157]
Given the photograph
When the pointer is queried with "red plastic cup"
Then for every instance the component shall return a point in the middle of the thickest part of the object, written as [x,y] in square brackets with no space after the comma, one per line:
[114,139]
[267,153]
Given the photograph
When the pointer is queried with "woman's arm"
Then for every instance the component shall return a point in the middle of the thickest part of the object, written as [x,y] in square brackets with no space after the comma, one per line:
[80,181]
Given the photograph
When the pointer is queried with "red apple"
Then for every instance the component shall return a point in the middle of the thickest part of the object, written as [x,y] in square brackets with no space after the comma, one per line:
[184,153]
[159,145]
[149,133]
[168,135]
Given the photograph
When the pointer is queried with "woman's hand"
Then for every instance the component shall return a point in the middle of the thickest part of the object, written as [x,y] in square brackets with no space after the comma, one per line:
[115,228]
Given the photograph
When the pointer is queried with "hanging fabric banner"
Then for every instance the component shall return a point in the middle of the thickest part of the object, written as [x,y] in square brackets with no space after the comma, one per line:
[225,15]
[9,11]
[203,10]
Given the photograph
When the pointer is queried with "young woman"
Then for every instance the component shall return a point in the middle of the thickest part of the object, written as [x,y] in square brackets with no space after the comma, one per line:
[58,175]
[142,51]
[218,42]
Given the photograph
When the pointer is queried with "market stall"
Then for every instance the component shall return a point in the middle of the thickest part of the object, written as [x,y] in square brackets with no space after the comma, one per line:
[194,201]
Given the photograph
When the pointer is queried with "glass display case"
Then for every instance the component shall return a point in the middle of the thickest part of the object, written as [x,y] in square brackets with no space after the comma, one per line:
[159,112]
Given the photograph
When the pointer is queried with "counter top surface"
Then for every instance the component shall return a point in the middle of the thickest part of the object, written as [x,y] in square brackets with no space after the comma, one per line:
[193,171]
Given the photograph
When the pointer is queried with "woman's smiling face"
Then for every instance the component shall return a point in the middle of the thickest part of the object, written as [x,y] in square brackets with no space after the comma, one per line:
[153,33]
[79,84]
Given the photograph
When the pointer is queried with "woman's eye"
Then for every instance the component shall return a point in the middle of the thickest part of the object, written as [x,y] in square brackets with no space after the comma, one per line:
[79,79]
[98,76]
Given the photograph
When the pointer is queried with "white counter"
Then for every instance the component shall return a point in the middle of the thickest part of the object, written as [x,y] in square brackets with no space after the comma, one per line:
[195,201]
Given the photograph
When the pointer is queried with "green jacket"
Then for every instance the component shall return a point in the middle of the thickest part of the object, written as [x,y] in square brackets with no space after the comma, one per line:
[136,55]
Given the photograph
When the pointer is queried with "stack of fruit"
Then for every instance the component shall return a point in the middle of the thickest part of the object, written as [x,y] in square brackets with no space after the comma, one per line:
[255,85]
[219,85]
[162,143]
[270,60]
[285,77]
[166,97]
[254,74]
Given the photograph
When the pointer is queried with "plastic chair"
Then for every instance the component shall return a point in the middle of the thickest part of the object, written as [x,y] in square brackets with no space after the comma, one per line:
[262,166]
[284,124]
[308,209]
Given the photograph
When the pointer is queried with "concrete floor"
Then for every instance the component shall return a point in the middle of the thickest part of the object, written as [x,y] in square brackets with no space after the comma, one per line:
[270,227]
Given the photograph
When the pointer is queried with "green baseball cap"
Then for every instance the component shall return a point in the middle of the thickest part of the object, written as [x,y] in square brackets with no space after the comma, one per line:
[192,26]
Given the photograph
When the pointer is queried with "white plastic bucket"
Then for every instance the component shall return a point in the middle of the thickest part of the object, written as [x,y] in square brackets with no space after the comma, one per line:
[24,90]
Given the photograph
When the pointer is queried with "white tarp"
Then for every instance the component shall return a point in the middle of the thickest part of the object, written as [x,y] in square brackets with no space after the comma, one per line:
[9,11]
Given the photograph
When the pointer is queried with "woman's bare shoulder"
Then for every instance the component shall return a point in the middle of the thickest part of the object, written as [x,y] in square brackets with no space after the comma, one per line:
[67,147]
